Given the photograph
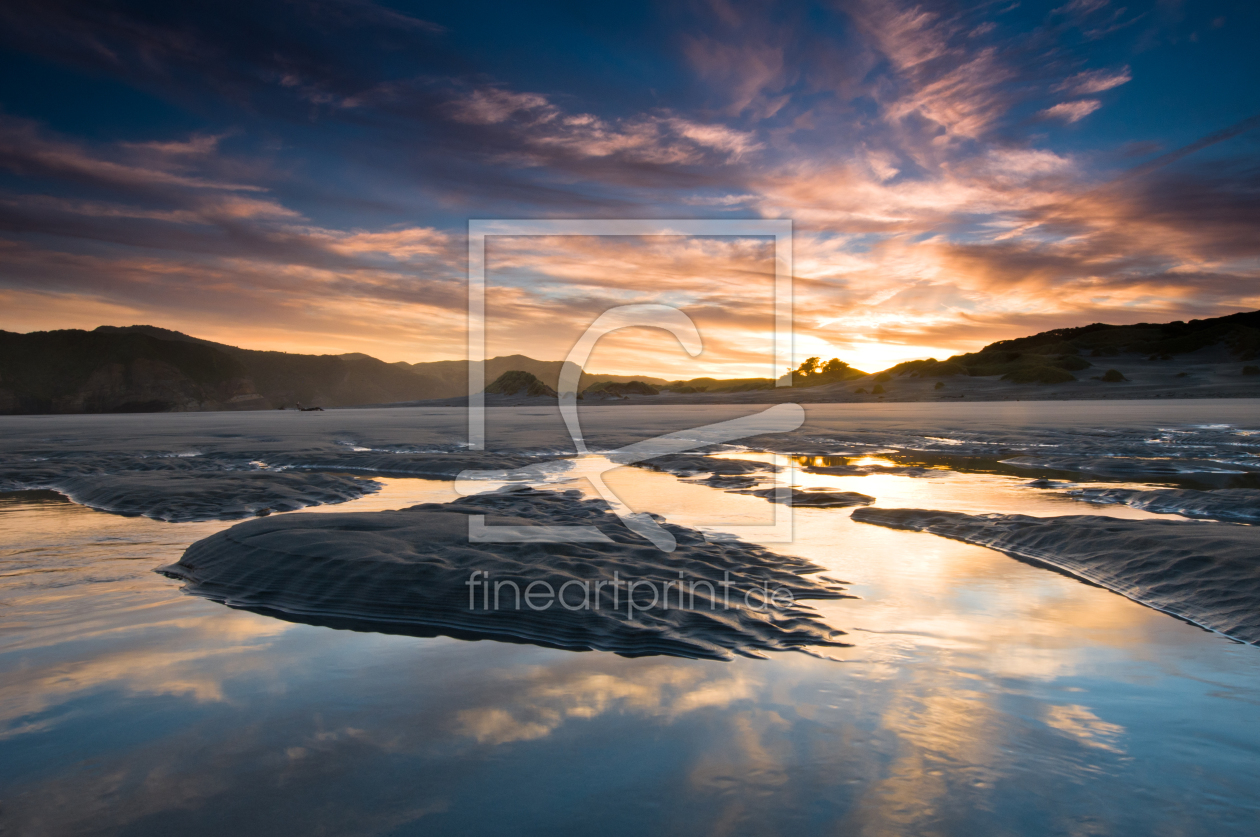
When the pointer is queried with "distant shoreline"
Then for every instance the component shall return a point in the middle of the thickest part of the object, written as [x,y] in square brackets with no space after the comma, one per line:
[692,400]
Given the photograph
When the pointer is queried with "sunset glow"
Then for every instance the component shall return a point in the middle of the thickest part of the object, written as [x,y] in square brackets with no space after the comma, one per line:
[956,173]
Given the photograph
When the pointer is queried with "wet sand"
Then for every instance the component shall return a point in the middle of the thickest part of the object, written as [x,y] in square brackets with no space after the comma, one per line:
[979,695]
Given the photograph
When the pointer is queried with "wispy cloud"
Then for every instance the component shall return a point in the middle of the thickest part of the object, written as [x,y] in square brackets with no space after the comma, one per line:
[651,138]
[25,150]
[1072,111]
[1093,81]
[319,199]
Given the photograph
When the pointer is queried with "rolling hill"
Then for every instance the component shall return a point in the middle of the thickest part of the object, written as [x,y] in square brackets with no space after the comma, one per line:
[149,369]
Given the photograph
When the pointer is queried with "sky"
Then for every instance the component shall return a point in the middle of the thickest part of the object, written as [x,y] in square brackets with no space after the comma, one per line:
[300,175]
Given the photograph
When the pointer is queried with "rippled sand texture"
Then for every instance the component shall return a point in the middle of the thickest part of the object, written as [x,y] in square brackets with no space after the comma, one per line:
[1241,505]
[979,694]
[409,572]
[233,464]
[177,497]
[1206,573]
[229,466]
[221,485]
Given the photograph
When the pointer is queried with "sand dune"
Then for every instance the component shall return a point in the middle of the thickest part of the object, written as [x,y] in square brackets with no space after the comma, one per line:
[1206,573]
[408,572]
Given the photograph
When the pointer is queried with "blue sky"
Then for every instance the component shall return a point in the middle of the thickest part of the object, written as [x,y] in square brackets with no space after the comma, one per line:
[300,175]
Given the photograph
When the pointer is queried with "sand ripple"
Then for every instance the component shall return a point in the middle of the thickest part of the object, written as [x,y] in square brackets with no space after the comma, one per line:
[1206,573]
[1238,505]
[408,571]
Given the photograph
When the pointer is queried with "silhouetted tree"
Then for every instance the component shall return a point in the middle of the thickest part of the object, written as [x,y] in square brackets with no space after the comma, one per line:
[809,366]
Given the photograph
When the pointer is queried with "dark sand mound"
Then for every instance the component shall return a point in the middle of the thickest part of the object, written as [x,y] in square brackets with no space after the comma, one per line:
[1131,467]
[1237,505]
[1186,444]
[437,466]
[847,470]
[691,464]
[815,498]
[407,572]
[179,489]
[734,481]
[187,488]
[227,495]
[1206,573]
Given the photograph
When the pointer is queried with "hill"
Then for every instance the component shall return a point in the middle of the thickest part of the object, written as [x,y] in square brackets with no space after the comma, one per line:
[1209,358]
[145,368]
[517,382]
[76,371]
[1053,356]
[452,375]
[150,369]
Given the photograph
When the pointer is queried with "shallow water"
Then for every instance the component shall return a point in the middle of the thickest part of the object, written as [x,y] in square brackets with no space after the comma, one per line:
[980,696]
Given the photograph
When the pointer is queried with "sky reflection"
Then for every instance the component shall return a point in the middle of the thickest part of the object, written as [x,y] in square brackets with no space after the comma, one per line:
[981,695]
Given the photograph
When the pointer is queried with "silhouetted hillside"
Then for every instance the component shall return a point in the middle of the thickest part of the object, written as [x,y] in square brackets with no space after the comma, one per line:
[76,371]
[1052,357]
[452,375]
[144,368]
[148,369]
[517,382]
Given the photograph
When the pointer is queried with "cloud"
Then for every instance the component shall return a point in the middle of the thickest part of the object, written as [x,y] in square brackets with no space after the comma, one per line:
[490,106]
[546,130]
[1081,724]
[198,145]
[400,244]
[964,101]
[545,700]
[1072,111]
[882,164]
[717,137]
[1090,82]
[320,200]
[910,37]
[1080,7]
[207,210]
[750,75]
[944,71]
[27,151]
[720,200]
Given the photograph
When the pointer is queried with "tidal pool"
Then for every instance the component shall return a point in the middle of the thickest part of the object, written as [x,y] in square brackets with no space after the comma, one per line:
[980,695]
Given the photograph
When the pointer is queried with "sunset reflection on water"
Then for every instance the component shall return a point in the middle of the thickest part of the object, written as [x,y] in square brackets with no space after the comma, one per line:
[980,695]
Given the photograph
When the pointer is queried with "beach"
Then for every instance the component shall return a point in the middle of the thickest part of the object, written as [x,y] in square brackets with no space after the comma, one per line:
[963,689]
